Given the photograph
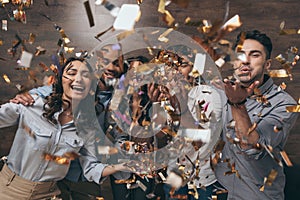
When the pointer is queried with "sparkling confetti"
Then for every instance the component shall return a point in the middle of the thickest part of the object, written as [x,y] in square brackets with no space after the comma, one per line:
[269,180]
[5,77]
[65,159]
[295,108]
[31,38]
[39,51]
[233,171]
[278,73]
[286,159]
[20,16]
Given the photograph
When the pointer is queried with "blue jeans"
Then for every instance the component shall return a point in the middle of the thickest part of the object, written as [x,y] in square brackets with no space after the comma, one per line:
[203,194]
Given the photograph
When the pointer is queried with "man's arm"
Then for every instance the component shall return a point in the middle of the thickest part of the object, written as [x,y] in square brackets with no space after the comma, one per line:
[237,95]
[261,131]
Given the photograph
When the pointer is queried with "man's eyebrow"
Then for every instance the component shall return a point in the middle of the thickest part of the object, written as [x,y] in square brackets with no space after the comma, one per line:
[251,52]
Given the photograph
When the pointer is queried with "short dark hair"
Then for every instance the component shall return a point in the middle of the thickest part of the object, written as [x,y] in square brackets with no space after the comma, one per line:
[258,36]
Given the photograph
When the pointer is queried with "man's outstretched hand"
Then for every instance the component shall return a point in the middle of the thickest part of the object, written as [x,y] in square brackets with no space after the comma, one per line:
[23,98]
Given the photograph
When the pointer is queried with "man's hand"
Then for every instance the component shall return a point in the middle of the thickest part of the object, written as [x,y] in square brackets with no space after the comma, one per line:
[237,93]
[24,98]
[155,92]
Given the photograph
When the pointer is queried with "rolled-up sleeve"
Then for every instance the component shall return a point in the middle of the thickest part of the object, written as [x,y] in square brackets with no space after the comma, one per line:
[9,114]
[92,168]
[273,128]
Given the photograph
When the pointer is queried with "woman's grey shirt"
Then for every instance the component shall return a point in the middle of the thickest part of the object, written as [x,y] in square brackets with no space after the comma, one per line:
[36,135]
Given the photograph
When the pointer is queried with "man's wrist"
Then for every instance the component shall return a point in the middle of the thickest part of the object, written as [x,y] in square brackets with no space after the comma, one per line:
[236,104]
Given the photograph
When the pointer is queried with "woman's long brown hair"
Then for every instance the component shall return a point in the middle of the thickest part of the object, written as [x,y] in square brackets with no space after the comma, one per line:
[54,101]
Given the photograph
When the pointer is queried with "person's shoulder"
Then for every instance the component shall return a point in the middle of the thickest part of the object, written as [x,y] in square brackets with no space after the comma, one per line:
[281,95]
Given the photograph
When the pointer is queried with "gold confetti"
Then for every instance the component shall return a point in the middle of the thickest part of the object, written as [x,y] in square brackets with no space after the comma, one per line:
[293,108]
[187,20]
[62,160]
[162,6]
[5,77]
[139,1]
[232,23]
[271,177]
[31,38]
[277,129]
[260,98]
[282,86]
[286,159]
[29,131]
[69,49]
[124,34]
[288,32]
[233,171]
[127,181]
[278,73]
[20,16]
[252,128]
[54,68]
[39,51]
[168,18]
[162,37]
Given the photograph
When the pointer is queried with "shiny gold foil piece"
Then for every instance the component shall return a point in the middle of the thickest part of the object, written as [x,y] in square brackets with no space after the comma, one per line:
[162,6]
[271,177]
[31,38]
[39,51]
[293,108]
[65,159]
[168,18]
[5,77]
[288,32]
[286,159]
[124,34]
[278,73]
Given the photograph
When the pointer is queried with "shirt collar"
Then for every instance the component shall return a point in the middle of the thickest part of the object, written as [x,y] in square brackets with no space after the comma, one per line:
[268,82]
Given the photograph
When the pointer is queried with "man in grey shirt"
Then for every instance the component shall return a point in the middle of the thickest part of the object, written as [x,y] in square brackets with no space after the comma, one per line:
[256,124]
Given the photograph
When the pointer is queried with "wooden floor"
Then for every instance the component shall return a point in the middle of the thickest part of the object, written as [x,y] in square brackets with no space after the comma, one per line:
[71,16]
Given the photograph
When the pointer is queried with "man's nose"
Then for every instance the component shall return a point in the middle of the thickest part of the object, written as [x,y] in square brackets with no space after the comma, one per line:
[110,66]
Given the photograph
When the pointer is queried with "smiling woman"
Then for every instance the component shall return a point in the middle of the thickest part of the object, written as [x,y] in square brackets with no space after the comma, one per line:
[51,133]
